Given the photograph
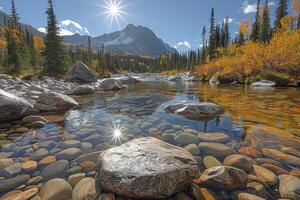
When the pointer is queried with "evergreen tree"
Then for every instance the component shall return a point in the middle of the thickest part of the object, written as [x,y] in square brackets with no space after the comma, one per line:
[298,21]
[265,31]
[203,52]
[14,15]
[218,36]
[281,11]
[212,37]
[256,24]
[54,54]
[89,51]
[226,32]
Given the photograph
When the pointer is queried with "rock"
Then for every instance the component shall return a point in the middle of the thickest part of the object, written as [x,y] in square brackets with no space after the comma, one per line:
[54,102]
[6,162]
[289,187]
[168,137]
[182,196]
[56,189]
[217,150]
[184,139]
[71,144]
[292,151]
[75,178]
[29,166]
[295,173]
[38,124]
[5,77]
[274,168]
[11,170]
[21,130]
[46,161]
[193,149]
[106,196]
[39,154]
[239,161]
[68,154]
[86,189]
[266,175]
[257,188]
[250,151]
[214,80]
[261,137]
[213,137]
[26,195]
[110,84]
[12,107]
[282,157]
[206,194]
[195,110]
[224,178]
[264,83]
[247,196]
[167,167]
[55,170]
[128,80]
[88,165]
[8,184]
[80,73]
[33,118]
[210,161]
[82,90]
[34,180]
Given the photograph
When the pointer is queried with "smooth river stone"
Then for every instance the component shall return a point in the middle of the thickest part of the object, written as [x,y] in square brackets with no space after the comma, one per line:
[213,137]
[55,170]
[282,157]
[217,150]
[146,168]
[56,189]
[239,161]
[184,139]
[289,187]
[86,189]
[210,161]
[68,154]
[266,175]
[224,178]
[8,184]
[193,149]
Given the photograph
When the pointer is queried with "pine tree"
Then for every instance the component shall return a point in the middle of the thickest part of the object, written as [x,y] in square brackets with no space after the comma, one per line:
[281,11]
[212,37]
[14,15]
[89,51]
[265,31]
[54,54]
[226,32]
[203,52]
[256,24]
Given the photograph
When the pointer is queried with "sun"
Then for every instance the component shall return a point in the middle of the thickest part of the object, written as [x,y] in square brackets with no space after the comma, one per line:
[114,10]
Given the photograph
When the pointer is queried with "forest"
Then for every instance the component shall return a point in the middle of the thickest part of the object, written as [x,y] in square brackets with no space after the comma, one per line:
[258,51]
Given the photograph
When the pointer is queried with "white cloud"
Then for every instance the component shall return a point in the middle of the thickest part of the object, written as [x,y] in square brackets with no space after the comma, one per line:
[230,20]
[1,8]
[249,8]
[183,44]
[272,3]
[69,27]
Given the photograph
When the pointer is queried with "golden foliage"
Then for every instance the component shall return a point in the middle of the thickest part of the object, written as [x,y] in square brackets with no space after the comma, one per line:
[38,42]
[296,5]
[280,55]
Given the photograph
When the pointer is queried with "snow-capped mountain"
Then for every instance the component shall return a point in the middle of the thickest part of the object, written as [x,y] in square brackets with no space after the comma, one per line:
[69,27]
[137,40]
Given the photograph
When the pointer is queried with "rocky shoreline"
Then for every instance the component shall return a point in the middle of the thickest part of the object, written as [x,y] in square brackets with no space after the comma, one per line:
[166,161]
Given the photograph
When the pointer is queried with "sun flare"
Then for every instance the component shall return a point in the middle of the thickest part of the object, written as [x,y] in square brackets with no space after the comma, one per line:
[117,133]
[114,10]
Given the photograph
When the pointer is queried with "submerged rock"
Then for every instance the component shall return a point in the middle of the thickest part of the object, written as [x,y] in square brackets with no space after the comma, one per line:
[264,83]
[8,184]
[82,90]
[86,189]
[195,110]
[217,150]
[289,187]
[146,168]
[12,107]
[225,178]
[56,189]
[79,72]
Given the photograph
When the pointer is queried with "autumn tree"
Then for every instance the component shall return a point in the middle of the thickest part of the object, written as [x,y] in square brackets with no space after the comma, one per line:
[296,7]
[54,54]
[281,11]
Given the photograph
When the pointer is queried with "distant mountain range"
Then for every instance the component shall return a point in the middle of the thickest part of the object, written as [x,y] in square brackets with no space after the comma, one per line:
[135,40]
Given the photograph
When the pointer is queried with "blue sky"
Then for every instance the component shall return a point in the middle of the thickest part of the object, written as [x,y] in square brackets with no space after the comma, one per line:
[177,22]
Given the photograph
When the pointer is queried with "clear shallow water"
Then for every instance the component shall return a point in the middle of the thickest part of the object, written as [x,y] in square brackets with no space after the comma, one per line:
[138,111]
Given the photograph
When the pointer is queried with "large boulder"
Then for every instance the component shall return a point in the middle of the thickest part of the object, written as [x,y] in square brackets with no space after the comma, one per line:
[110,84]
[146,168]
[54,102]
[289,187]
[80,73]
[12,107]
[195,110]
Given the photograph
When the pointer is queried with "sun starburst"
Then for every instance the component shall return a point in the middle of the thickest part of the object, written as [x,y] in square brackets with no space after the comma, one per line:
[114,11]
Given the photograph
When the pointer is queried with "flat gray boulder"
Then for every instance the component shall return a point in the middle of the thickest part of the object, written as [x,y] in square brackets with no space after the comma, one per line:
[146,168]
[264,83]
[12,107]
[80,73]
[195,110]
[110,84]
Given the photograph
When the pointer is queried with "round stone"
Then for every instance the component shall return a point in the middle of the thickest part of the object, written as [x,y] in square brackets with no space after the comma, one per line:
[55,169]
[68,154]
[239,161]
[289,187]
[29,166]
[75,178]
[46,161]
[266,175]
[193,149]
[213,137]
[56,189]
[217,150]
[210,161]
[184,139]
[86,189]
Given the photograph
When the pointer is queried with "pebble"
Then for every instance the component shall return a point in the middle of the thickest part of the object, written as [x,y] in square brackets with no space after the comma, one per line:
[250,151]
[247,196]
[184,139]
[239,161]
[217,150]
[12,183]
[210,161]
[68,154]
[213,137]
[75,178]
[39,154]
[193,149]
[266,175]
[86,189]
[46,161]
[55,169]
[289,187]
[29,166]
[56,189]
